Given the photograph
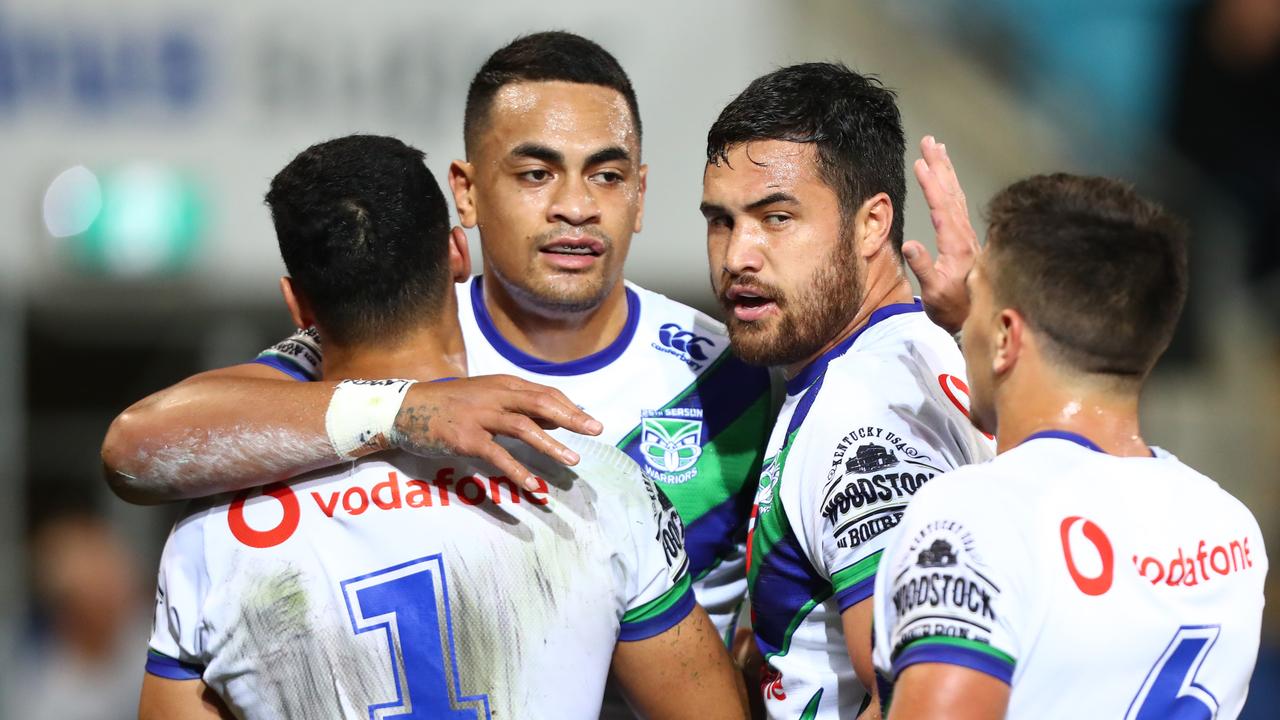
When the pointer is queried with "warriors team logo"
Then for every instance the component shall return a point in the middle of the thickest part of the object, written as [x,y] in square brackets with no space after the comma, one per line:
[768,485]
[671,443]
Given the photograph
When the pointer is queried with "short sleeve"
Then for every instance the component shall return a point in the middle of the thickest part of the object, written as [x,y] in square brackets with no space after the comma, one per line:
[947,591]
[176,649]
[298,356]
[661,596]
[860,470]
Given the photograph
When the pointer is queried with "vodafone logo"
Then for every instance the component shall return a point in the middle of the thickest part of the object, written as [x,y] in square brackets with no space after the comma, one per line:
[290,515]
[954,387]
[1101,582]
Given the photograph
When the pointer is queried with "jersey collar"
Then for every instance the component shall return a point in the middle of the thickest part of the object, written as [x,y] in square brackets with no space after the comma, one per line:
[1071,437]
[815,369]
[525,361]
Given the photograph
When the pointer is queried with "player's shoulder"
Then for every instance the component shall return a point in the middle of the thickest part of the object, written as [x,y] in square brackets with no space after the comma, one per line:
[660,309]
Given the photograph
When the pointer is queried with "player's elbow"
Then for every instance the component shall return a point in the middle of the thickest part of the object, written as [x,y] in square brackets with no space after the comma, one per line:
[124,465]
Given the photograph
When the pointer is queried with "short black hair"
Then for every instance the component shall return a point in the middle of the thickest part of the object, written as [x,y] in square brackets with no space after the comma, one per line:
[363,230]
[548,56]
[1100,271]
[853,120]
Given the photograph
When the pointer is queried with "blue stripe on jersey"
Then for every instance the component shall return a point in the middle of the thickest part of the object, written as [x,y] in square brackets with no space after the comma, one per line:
[856,593]
[725,392]
[816,368]
[928,652]
[169,668]
[785,588]
[284,365]
[658,624]
[787,581]
[718,531]
[581,366]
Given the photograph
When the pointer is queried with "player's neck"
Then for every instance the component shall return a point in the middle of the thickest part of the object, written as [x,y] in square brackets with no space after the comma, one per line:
[427,353]
[556,337]
[1096,411]
[881,291]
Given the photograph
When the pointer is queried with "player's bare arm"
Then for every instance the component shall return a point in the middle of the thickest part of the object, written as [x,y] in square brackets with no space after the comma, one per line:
[939,691]
[942,280]
[247,425]
[164,699]
[857,638]
[684,672]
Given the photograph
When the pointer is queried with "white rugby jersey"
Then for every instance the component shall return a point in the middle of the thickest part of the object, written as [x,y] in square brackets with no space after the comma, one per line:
[862,429]
[410,587]
[1094,585]
[669,394]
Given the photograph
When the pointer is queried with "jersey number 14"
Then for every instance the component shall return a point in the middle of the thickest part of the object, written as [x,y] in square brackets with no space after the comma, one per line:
[409,602]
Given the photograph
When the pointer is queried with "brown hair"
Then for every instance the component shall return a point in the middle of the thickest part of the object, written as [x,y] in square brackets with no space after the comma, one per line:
[1097,269]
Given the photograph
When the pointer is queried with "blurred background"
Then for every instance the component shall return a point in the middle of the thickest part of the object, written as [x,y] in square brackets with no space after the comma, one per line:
[137,138]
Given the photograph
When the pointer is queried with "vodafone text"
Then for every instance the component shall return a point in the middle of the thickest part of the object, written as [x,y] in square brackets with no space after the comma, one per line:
[1191,567]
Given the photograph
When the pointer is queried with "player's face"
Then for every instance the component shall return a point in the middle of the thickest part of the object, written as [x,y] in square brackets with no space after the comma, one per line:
[976,339]
[557,191]
[782,263]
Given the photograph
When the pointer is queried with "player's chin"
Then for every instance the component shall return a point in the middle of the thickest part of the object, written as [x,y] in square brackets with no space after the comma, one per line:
[756,342]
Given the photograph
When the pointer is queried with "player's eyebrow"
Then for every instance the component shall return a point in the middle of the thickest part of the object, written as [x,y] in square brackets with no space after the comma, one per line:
[538,152]
[609,154]
[778,197]
[710,210]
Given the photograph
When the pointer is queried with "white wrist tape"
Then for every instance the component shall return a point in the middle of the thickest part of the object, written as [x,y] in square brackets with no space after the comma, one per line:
[360,411]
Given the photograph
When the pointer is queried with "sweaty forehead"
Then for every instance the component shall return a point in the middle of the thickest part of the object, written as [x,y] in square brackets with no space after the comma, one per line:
[762,167]
[561,115]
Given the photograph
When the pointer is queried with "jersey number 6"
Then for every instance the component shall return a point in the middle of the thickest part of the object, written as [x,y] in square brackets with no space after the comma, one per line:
[1170,691]
[410,603]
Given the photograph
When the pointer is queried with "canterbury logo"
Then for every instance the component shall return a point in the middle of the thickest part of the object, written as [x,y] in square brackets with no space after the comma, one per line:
[681,340]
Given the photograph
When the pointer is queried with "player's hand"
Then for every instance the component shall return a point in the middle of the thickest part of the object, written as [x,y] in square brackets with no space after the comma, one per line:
[942,282]
[461,417]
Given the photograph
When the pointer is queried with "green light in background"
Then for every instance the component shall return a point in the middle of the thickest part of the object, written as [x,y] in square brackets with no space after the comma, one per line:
[142,219]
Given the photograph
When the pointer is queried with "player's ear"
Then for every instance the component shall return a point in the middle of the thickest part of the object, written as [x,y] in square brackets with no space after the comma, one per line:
[644,185]
[462,182]
[299,307]
[873,224]
[459,255]
[1009,339]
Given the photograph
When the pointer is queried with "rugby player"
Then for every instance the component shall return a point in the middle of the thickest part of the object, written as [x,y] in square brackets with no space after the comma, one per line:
[423,587]
[803,196]
[1080,574]
[554,181]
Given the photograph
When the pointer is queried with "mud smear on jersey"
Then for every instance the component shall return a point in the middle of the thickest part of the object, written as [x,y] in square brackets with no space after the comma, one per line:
[303,656]
[509,612]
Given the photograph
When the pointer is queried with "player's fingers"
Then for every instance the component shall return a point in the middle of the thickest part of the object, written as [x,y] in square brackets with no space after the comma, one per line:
[918,260]
[935,195]
[527,431]
[482,446]
[555,408]
[931,151]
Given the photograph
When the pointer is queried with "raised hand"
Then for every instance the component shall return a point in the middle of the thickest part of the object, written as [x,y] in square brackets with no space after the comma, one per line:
[942,281]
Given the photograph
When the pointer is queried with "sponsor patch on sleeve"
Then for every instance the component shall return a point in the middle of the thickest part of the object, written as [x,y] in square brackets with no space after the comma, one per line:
[941,590]
[872,476]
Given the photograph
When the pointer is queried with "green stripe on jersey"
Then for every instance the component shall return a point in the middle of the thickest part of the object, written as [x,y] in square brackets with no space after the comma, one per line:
[635,432]
[658,605]
[857,572]
[962,643]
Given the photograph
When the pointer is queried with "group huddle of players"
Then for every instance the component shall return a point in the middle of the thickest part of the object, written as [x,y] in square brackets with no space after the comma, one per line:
[911,527]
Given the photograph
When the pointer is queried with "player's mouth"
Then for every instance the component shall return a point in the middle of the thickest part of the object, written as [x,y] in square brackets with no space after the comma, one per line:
[573,253]
[749,303]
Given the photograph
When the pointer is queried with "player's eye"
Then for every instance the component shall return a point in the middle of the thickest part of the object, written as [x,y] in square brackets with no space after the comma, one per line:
[776,219]
[608,177]
[720,222]
[536,176]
